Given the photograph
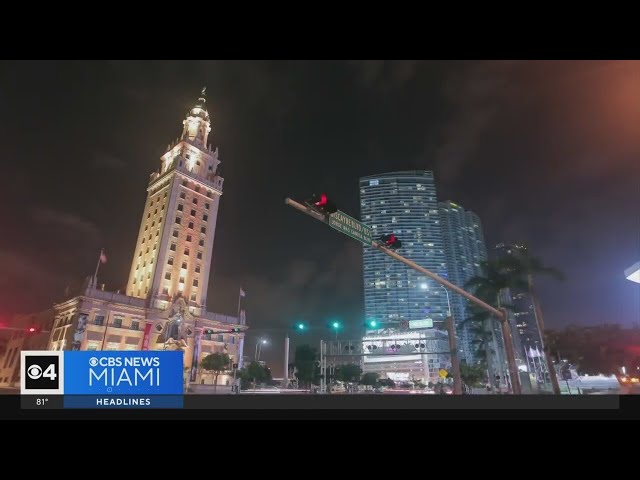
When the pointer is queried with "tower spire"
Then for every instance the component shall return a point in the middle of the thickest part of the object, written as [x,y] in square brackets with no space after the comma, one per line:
[203,98]
[197,125]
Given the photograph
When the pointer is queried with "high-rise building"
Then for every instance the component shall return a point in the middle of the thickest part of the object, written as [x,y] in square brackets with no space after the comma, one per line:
[404,203]
[175,241]
[522,314]
[464,249]
[164,306]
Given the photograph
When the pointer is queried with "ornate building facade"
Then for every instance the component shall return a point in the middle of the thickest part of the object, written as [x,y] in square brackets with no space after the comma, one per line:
[164,305]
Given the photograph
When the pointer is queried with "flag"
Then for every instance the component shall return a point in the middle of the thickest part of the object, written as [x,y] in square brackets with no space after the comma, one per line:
[242,294]
[103,257]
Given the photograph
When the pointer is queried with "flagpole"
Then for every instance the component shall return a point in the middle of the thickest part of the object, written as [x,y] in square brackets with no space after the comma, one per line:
[239,299]
[95,277]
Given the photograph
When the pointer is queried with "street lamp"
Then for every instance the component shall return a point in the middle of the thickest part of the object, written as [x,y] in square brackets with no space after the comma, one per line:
[424,286]
[261,341]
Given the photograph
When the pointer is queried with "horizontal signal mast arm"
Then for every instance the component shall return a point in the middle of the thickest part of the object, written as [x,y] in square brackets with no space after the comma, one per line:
[406,261]
[438,279]
[305,209]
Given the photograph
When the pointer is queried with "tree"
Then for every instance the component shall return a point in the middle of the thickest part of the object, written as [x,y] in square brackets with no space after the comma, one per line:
[349,373]
[515,272]
[305,363]
[369,379]
[496,276]
[601,349]
[386,382]
[525,267]
[472,375]
[217,363]
[256,373]
[480,326]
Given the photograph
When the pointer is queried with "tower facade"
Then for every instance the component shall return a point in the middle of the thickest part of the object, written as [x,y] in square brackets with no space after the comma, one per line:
[464,249]
[404,203]
[522,315]
[174,248]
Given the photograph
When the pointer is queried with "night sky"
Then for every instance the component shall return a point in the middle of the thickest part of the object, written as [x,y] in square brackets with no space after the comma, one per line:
[546,153]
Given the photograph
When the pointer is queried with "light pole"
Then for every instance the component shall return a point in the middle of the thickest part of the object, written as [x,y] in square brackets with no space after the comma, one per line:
[300,327]
[259,343]
[424,286]
[453,346]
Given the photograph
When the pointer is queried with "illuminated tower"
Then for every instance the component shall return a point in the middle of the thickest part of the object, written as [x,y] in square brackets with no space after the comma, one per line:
[175,242]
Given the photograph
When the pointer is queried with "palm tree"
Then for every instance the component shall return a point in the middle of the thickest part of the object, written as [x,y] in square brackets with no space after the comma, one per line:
[479,326]
[528,266]
[517,273]
[498,275]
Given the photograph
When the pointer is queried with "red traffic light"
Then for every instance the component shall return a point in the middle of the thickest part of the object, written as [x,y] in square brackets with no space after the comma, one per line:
[322,203]
[32,329]
[391,241]
[321,200]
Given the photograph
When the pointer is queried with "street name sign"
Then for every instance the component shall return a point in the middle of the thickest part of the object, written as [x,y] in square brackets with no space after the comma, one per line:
[351,227]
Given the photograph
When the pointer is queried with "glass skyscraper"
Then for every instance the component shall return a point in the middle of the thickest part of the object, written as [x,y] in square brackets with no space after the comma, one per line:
[464,249]
[404,203]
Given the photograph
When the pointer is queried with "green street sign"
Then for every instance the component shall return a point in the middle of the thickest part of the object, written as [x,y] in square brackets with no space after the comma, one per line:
[426,323]
[352,227]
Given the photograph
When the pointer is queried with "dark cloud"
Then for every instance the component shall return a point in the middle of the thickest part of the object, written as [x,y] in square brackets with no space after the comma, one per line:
[106,160]
[69,224]
[384,75]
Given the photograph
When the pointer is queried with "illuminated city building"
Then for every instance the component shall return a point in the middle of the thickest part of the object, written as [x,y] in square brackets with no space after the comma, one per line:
[404,203]
[164,305]
[522,315]
[464,249]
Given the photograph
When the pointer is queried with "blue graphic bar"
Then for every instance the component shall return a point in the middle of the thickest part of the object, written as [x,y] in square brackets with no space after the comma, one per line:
[146,373]
[123,401]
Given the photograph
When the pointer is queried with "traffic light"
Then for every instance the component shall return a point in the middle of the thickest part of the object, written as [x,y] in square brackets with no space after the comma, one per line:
[301,327]
[235,329]
[322,204]
[33,329]
[391,241]
[372,323]
[335,325]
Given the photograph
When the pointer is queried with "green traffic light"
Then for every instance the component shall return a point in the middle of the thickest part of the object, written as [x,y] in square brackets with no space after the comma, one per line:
[301,326]
[373,323]
[335,325]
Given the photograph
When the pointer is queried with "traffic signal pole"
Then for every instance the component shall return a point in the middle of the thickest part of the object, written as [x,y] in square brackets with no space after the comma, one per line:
[285,379]
[501,315]
[455,359]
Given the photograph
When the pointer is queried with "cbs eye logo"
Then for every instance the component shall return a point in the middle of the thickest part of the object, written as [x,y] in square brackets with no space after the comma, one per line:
[41,372]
